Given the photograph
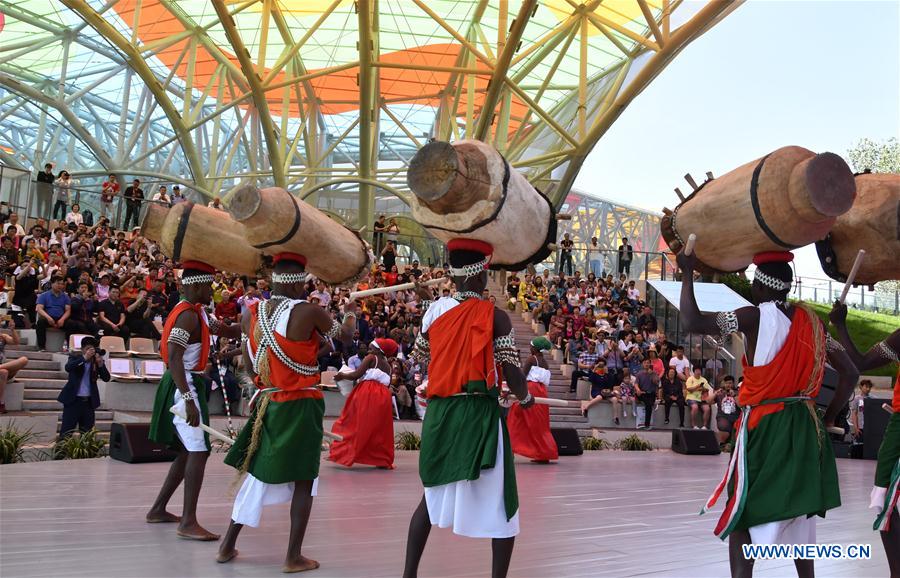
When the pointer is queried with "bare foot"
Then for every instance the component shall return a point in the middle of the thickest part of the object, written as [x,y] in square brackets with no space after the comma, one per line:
[226,555]
[162,518]
[196,532]
[302,564]
[540,461]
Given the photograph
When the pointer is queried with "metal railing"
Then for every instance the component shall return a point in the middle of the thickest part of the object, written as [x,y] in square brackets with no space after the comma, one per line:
[827,291]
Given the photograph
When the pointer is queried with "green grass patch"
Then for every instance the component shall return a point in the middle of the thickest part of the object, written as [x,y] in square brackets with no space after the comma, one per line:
[866,328]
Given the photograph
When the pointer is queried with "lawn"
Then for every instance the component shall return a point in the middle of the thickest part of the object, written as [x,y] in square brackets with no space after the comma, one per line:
[866,328]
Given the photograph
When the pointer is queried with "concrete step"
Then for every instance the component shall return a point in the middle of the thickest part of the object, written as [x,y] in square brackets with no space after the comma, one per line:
[99,415]
[38,394]
[102,425]
[40,383]
[41,374]
[32,355]
[559,411]
[22,349]
[41,405]
[45,364]
[567,418]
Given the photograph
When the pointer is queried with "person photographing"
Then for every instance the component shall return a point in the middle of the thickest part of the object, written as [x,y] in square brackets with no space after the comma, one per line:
[80,396]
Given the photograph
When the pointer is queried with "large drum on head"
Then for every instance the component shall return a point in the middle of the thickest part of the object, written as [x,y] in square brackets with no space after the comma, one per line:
[275,221]
[194,232]
[785,200]
[468,190]
[872,224]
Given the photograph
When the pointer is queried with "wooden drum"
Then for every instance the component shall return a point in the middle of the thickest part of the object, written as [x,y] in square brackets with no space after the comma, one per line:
[467,189]
[872,224]
[785,200]
[194,232]
[275,221]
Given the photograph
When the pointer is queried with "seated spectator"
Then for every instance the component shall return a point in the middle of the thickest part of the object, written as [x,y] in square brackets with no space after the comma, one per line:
[673,394]
[26,287]
[646,391]
[227,310]
[623,395]
[53,311]
[139,317]
[112,316]
[80,396]
[697,392]
[586,363]
[727,409]
[401,391]
[84,308]
[75,217]
[602,384]
[8,368]
[357,358]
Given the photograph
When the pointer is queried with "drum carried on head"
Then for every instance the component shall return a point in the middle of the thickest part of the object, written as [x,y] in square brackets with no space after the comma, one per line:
[785,200]
[468,190]
[275,221]
[188,232]
[872,224]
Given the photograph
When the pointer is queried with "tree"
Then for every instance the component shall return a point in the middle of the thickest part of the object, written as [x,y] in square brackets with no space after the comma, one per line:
[879,157]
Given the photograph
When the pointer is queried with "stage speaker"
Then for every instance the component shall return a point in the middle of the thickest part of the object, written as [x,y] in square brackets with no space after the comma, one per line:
[695,442]
[129,442]
[874,423]
[567,441]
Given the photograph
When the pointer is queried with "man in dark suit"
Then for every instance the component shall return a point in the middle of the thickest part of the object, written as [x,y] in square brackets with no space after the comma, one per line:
[80,396]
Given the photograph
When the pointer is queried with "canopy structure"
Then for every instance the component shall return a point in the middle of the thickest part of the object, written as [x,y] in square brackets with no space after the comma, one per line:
[324,95]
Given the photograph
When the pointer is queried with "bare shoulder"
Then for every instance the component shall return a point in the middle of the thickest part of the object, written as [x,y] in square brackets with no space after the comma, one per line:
[502,324]
[188,319]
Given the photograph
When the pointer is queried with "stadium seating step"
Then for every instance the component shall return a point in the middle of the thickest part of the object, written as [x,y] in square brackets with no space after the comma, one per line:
[41,374]
[28,351]
[43,364]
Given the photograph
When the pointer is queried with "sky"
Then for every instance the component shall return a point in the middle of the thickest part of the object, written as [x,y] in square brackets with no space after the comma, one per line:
[821,75]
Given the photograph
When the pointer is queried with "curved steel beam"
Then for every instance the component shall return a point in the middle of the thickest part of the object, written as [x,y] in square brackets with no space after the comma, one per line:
[501,67]
[677,41]
[371,182]
[136,61]
[75,124]
[276,159]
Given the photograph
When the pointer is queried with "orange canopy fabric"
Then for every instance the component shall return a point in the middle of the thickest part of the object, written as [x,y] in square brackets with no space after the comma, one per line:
[462,348]
[796,370]
[204,334]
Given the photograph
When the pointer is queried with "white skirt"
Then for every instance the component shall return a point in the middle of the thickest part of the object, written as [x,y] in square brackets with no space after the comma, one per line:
[255,494]
[474,508]
[192,438]
[799,530]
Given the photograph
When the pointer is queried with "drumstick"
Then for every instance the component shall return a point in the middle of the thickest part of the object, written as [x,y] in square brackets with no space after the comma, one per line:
[213,433]
[402,287]
[852,275]
[222,437]
[689,246]
[835,430]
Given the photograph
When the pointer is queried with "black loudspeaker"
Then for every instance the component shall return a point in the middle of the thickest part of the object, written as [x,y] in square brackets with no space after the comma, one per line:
[129,442]
[695,442]
[875,421]
[567,441]
[829,385]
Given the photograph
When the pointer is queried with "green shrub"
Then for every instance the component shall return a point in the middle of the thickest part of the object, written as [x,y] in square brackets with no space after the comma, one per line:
[78,446]
[13,442]
[407,440]
[591,444]
[738,283]
[633,443]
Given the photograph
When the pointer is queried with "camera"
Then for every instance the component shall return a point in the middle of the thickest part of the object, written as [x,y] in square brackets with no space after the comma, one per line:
[101,352]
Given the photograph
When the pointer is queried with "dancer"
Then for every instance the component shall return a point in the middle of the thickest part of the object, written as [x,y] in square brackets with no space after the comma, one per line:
[886,492]
[367,420]
[466,462]
[185,350]
[279,447]
[529,431]
[769,503]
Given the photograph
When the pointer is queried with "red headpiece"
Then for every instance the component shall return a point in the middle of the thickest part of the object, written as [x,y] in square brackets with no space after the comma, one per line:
[286,256]
[474,245]
[773,257]
[388,346]
[199,266]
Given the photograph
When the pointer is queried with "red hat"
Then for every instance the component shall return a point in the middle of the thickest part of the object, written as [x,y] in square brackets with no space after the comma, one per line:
[199,266]
[773,257]
[287,256]
[387,346]
[461,244]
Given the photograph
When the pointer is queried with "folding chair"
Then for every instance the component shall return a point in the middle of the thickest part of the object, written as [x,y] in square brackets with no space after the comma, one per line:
[121,370]
[75,341]
[152,370]
[143,347]
[114,346]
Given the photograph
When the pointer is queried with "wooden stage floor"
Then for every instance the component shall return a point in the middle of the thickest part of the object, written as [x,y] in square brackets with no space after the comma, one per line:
[601,514]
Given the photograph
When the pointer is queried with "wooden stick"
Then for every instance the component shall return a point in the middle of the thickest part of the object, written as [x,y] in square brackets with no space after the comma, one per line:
[691,181]
[835,430]
[679,193]
[564,216]
[401,287]
[709,175]
[852,275]
[689,246]
[222,437]
[550,401]
[213,433]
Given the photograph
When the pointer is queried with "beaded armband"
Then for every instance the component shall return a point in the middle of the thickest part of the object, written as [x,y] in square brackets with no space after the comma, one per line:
[335,329]
[421,350]
[215,326]
[832,344]
[728,324]
[188,396]
[886,352]
[179,336]
[505,349]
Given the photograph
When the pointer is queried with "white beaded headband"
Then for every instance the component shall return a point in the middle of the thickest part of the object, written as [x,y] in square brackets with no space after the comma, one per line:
[288,278]
[197,279]
[469,270]
[771,282]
